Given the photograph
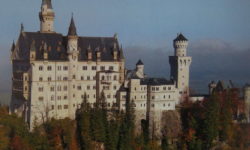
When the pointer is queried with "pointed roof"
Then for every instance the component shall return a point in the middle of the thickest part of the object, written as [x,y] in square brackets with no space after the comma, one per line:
[139,63]
[72,27]
[48,3]
[180,37]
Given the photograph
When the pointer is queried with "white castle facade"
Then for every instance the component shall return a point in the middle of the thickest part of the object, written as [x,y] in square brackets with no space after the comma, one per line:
[52,74]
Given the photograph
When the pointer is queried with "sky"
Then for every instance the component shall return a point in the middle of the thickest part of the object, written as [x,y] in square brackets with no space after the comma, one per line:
[218,33]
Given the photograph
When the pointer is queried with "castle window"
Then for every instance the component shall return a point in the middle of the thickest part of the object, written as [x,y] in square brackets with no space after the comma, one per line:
[25,88]
[82,78]
[65,78]
[164,88]
[40,68]
[157,88]
[40,89]
[169,88]
[65,97]
[49,78]
[94,87]
[49,68]
[52,88]
[168,104]
[40,98]
[94,77]
[103,78]
[79,87]
[169,96]
[135,88]
[153,105]
[74,95]
[65,106]
[52,107]
[88,87]
[102,68]
[93,67]
[59,97]
[88,77]
[74,76]
[41,79]
[52,98]
[164,105]
[115,78]
[59,107]
[114,87]
[59,68]
[153,97]
[111,68]
[65,68]
[108,96]
[85,68]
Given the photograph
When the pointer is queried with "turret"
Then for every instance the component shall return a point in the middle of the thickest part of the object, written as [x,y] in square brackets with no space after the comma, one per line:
[98,54]
[72,47]
[140,69]
[180,65]
[211,87]
[33,51]
[47,17]
[45,51]
[180,45]
[115,52]
[89,51]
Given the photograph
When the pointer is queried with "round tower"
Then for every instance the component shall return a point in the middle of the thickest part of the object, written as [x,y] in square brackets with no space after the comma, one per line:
[180,65]
[180,45]
[140,69]
[47,17]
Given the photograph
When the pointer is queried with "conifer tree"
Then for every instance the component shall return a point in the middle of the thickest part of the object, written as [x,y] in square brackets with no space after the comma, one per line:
[83,125]
[211,123]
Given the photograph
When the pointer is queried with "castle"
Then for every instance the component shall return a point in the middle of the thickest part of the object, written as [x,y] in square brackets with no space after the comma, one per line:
[53,73]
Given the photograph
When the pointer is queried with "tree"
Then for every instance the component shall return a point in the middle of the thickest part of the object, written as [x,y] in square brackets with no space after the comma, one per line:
[211,122]
[83,125]
[226,117]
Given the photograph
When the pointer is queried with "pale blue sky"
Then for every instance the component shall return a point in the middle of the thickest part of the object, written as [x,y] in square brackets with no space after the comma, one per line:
[218,32]
[138,22]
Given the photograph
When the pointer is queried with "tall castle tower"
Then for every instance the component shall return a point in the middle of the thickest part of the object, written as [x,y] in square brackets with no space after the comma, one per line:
[47,17]
[180,64]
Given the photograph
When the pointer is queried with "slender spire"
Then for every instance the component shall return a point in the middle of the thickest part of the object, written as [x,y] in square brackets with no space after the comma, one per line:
[22,28]
[48,3]
[72,27]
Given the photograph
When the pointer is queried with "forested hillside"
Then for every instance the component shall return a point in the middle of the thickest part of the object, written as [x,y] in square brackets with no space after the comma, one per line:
[214,123]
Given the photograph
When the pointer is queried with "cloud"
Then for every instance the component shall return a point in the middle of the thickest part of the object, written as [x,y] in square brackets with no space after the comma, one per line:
[212,60]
